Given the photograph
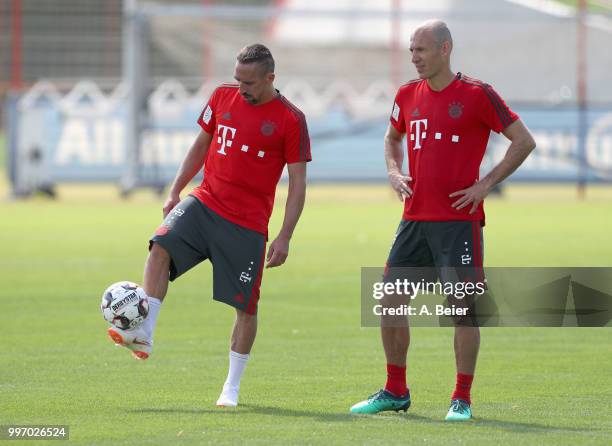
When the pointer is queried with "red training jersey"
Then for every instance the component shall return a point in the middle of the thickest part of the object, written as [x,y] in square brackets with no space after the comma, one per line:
[249,149]
[448,132]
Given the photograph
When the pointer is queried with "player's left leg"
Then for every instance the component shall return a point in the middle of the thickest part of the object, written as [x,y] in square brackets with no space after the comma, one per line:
[457,250]
[237,255]
[467,344]
[243,337]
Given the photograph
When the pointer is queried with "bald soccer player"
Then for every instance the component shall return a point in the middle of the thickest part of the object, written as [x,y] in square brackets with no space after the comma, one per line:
[448,117]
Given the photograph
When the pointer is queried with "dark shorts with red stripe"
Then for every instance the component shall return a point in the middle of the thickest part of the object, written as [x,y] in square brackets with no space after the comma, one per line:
[447,250]
[192,233]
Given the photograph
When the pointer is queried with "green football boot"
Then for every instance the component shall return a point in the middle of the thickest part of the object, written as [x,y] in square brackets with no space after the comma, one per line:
[459,411]
[381,401]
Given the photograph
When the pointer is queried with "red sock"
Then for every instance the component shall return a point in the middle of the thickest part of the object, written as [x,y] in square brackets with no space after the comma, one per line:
[396,380]
[462,388]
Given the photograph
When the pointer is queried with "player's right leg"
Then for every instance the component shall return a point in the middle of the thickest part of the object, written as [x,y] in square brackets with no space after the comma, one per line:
[409,248]
[395,335]
[155,283]
[177,246]
[156,272]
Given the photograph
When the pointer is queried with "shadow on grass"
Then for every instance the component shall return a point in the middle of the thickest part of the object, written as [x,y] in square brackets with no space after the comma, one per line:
[260,410]
[512,426]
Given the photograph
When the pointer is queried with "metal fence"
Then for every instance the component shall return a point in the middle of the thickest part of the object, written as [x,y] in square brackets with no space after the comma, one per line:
[151,64]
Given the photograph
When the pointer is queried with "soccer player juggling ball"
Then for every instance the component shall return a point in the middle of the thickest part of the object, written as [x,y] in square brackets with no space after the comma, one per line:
[448,118]
[249,132]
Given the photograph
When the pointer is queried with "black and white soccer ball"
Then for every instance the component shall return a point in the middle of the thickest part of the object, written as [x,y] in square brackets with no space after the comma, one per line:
[125,305]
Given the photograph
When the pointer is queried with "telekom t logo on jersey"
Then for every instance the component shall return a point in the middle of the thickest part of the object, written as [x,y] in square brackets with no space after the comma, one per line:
[223,139]
[418,132]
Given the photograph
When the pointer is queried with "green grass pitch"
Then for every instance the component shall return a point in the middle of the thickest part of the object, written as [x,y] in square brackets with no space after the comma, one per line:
[312,360]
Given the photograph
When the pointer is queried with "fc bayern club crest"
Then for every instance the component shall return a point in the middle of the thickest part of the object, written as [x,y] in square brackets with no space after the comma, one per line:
[267,128]
[455,110]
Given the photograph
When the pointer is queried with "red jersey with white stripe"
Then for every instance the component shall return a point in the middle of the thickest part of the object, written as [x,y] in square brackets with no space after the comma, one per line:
[447,135]
[249,149]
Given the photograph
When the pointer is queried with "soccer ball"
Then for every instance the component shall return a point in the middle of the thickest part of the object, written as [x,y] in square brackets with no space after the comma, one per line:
[125,305]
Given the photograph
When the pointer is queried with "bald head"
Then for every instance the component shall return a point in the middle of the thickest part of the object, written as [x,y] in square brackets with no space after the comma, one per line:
[431,45]
[438,30]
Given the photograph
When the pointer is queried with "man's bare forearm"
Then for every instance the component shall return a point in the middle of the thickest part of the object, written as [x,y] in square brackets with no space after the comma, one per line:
[512,160]
[279,248]
[394,158]
[519,150]
[192,163]
[394,155]
[293,209]
[296,197]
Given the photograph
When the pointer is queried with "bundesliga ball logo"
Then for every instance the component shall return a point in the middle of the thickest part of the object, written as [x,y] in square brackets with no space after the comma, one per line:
[125,305]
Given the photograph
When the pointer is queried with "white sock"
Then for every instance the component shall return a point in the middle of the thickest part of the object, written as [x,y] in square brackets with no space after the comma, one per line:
[149,323]
[237,364]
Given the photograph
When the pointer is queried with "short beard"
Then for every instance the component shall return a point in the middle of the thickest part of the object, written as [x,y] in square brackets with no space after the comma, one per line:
[251,100]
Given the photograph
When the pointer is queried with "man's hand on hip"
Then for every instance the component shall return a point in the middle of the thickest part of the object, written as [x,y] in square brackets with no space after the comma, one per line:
[472,195]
